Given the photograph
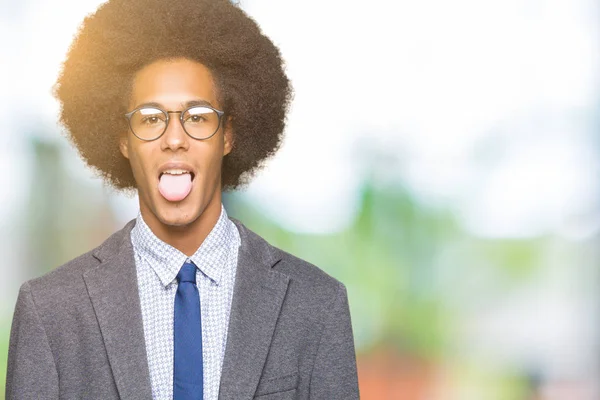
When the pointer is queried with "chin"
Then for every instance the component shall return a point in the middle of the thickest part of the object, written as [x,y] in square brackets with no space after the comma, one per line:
[177,220]
[177,214]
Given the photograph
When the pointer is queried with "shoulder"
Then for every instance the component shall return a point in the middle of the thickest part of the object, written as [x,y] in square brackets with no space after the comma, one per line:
[319,291]
[66,280]
[306,279]
[305,272]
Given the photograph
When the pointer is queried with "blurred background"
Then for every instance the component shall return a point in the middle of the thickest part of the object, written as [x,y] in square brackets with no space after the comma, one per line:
[441,159]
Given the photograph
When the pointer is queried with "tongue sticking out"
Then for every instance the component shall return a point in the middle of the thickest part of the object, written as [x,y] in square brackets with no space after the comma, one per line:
[175,187]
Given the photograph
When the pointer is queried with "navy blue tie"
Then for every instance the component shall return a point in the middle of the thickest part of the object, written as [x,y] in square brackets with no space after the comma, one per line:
[187,338]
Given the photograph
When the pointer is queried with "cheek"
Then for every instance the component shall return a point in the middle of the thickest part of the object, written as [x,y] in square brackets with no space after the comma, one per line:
[210,156]
[139,163]
[216,163]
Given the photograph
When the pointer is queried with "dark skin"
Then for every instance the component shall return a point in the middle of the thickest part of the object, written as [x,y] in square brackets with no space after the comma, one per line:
[186,223]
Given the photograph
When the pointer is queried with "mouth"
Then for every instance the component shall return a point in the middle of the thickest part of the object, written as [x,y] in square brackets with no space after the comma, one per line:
[176,172]
[175,184]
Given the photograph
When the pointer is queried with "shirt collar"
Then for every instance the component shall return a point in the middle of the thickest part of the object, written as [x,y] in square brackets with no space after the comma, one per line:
[166,261]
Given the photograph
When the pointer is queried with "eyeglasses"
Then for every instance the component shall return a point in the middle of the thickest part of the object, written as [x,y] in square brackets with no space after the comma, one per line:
[198,121]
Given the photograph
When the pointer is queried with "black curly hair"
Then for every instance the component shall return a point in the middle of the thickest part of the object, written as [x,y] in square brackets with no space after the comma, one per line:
[123,36]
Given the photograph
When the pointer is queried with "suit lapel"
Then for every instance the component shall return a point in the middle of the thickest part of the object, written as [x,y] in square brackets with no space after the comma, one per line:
[113,290]
[257,298]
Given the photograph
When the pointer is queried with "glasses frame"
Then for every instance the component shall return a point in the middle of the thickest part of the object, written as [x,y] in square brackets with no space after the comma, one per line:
[168,119]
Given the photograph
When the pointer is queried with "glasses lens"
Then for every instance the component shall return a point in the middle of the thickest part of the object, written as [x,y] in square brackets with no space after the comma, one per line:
[148,123]
[200,122]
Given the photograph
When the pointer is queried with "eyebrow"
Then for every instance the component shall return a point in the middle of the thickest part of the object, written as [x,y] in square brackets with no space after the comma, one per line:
[187,104]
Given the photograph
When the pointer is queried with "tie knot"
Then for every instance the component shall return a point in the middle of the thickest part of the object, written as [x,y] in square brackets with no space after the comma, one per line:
[187,273]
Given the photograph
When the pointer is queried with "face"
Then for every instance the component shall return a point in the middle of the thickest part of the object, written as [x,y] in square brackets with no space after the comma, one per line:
[166,199]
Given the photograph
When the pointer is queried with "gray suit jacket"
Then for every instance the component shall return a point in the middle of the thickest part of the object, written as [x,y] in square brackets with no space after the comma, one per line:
[77,331]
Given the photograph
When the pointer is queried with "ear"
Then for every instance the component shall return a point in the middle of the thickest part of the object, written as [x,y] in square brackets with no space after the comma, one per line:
[227,137]
[124,146]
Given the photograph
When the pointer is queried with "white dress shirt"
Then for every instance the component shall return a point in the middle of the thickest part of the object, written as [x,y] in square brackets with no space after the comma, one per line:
[157,265]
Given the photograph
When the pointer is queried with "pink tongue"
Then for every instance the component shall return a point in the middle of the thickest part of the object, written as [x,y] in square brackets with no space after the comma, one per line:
[175,187]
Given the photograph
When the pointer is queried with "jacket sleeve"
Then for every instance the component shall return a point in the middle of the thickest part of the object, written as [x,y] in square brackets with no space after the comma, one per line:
[334,374]
[31,371]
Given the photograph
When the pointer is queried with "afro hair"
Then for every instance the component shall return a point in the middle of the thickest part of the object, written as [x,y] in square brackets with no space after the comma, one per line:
[123,36]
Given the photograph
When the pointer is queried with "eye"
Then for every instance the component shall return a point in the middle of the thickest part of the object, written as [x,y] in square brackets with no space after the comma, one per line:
[153,119]
[149,116]
[198,115]
[196,118]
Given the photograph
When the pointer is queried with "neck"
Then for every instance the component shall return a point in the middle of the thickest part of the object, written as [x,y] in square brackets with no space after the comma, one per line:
[185,238]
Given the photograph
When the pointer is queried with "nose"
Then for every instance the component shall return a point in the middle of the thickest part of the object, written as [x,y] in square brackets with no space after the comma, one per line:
[175,136]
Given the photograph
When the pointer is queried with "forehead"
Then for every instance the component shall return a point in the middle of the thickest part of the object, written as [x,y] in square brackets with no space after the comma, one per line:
[171,83]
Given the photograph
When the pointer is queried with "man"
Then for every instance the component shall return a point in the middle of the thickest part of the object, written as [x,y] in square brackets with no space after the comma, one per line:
[178,101]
